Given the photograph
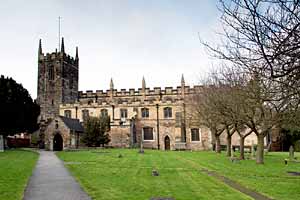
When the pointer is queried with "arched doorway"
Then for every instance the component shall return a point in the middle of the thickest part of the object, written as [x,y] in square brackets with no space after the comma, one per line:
[57,142]
[167,143]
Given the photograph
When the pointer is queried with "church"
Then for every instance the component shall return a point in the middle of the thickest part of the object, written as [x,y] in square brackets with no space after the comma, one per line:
[156,118]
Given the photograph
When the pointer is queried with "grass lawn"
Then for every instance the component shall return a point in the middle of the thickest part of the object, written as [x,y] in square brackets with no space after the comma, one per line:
[16,167]
[106,176]
[270,179]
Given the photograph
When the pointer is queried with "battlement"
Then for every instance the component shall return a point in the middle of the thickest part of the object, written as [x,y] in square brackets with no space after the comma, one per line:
[58,56]
[139,92]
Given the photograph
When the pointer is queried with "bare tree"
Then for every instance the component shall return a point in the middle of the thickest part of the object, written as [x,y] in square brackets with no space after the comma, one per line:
[211,105]
[260,114]
[262,35]
[236,101]
[202,112]
[263,38]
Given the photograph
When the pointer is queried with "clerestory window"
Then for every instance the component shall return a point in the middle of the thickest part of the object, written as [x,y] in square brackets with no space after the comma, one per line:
[168,112]
[145,112]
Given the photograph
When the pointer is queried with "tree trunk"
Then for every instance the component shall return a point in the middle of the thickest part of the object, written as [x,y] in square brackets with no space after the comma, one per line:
[242,148]
[260,149]
[1,143]
[218,144]
[228,145]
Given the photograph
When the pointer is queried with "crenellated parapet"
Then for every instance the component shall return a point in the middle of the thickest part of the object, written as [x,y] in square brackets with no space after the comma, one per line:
[54,56]
[90,100]
[58,55]
[138,92]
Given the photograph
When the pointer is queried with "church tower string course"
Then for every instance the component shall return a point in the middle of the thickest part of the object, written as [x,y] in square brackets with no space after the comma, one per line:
[57,80]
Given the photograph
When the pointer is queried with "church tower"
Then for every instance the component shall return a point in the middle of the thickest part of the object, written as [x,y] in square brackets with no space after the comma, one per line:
[57,80]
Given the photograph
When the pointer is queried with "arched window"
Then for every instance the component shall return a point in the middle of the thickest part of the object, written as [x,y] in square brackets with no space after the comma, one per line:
[85,115]
[195,135]
[145,112]
[51,72]
[148,133]
[103,113]
[168,112]
[68,113]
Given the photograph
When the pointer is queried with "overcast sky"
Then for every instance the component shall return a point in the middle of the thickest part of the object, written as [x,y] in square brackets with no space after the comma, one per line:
[122,39]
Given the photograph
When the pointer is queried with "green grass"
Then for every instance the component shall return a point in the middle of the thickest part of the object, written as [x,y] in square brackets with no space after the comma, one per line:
[16,167]
[270,179]
[105,176]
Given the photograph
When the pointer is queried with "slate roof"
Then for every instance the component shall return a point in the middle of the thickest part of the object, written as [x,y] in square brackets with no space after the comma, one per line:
[72,124]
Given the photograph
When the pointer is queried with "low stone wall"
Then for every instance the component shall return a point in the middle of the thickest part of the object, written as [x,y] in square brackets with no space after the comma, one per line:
[17,142]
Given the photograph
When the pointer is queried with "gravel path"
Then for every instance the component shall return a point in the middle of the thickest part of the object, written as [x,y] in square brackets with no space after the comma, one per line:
[52,181]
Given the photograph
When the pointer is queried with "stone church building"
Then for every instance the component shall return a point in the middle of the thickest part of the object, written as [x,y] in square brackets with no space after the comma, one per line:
[156,117]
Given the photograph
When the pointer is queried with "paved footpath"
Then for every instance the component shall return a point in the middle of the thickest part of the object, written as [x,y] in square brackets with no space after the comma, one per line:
[52,181]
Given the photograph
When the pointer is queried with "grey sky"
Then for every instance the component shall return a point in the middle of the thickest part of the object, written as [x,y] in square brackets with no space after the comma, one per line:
[121,39]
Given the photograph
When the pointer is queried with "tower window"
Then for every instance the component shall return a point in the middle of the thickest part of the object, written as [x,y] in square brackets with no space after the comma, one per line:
[145,112]
[168,112]
[52,102]
[51,72]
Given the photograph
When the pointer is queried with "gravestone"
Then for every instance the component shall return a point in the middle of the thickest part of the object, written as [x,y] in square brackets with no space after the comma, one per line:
[155,173]
[1,144]
[291,152]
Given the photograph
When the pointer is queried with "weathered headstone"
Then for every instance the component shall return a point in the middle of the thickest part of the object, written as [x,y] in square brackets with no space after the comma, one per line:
[291,152]
[1,144]
[155,173]
[268,148]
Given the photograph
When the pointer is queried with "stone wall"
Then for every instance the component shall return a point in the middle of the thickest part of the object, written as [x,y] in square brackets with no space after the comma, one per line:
[57,126]
[134,102]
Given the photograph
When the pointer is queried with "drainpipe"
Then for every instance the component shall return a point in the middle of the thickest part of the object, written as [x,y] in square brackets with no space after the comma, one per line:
[184,123]
[76,110]
[157,123]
